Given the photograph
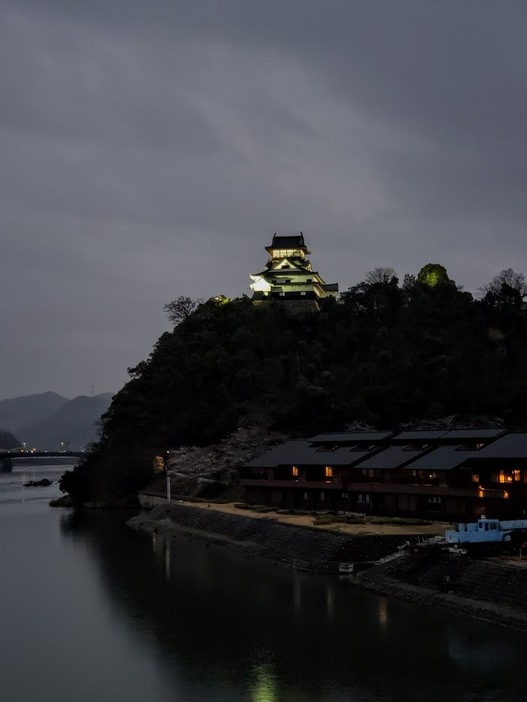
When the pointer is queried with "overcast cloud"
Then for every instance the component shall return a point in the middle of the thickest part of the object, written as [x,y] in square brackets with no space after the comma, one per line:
[150,149]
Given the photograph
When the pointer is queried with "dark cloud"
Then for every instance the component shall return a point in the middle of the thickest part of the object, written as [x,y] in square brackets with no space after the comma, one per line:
[150,150]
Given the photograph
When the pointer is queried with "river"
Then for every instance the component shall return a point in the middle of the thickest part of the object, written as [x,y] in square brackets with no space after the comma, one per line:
[91,611]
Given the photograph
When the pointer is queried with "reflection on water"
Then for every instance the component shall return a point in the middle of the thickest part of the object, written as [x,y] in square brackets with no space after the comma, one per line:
[383,611]
[12,488]
[264,687]
[181,620]
[261,633]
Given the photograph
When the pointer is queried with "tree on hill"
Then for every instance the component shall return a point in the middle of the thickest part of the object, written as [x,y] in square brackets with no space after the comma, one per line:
[433,274]
[181,309]
[506,289]
[383,275]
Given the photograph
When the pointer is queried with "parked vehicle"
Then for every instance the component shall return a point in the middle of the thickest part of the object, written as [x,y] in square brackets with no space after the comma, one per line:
[487,531]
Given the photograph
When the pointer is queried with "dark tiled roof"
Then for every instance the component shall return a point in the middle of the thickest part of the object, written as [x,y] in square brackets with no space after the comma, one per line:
[442,458]
[509,446]
[288,242]
[353,436]
[472,434]
[331,287]
[390,450]
[426,435]
[304,454]
[389,458]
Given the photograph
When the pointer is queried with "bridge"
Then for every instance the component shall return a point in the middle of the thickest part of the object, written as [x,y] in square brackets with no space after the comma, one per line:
[43,454]
[7,457]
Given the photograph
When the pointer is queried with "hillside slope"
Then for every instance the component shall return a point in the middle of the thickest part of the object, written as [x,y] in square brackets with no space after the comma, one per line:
[381,355]
[8,441]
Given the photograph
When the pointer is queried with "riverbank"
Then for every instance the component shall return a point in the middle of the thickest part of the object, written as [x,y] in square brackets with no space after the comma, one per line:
[493,590]
[265,536]
[360,526]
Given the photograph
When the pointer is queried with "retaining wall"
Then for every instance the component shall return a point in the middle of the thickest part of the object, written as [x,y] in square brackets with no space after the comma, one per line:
[484,589]
[296,547]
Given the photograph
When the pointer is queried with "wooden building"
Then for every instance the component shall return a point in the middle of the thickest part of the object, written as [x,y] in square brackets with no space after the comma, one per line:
[288,274]
[446,474]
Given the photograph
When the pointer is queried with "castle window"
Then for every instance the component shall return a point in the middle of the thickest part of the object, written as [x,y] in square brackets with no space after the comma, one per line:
[294,471]
[328,472]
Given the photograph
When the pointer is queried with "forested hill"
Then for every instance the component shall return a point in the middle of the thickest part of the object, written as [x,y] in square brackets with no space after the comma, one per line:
[383,354]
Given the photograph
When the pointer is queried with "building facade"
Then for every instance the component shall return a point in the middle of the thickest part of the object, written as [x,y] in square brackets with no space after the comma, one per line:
[288,274]
[450,475]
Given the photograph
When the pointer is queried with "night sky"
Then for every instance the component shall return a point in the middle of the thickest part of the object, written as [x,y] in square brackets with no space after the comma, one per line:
[151,148]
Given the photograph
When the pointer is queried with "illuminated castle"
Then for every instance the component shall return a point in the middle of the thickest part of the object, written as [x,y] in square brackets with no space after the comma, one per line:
[288,274]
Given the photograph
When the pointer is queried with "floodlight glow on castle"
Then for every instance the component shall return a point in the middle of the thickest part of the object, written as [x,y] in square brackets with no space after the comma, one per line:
[288,274]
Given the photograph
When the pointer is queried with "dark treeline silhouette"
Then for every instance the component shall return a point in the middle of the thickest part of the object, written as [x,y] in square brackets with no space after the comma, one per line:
[382,354]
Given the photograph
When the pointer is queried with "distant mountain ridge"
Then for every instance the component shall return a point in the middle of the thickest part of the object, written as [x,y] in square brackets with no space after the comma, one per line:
[49,421]
[17,412]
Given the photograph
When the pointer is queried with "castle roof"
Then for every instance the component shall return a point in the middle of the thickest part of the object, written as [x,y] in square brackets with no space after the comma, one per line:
[288,242]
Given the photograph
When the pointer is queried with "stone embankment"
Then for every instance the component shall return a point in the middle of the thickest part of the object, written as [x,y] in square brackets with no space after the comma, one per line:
[301,548]
[486,589]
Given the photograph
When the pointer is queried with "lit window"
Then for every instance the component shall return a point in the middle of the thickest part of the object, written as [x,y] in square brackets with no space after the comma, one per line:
[508,477]
[328,471]
[294,471]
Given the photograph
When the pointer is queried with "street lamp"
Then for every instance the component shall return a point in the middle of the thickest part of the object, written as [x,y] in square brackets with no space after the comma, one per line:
[169,486]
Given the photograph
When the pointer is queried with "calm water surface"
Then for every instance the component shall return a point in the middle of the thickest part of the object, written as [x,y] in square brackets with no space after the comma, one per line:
[91,611]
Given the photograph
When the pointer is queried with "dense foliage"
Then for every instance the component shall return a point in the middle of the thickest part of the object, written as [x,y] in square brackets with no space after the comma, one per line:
[382,354]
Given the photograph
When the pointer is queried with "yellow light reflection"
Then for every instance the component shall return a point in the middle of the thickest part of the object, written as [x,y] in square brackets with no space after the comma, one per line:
[383,612]
[265,687]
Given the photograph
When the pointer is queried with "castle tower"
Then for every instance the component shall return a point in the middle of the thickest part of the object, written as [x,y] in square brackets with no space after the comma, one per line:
[288,274]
